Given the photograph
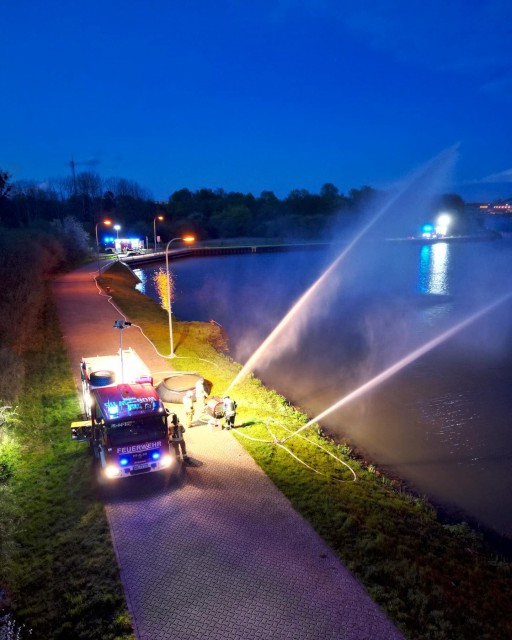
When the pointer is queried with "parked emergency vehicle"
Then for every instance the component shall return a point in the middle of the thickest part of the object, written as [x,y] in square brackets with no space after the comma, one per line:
[127,426]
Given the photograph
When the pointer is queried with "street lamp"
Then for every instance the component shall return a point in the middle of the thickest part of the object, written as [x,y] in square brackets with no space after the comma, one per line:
[188,239]
[117,228]
[107,223]
[154,227]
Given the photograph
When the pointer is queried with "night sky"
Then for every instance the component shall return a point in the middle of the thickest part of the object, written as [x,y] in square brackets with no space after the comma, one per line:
[251,96]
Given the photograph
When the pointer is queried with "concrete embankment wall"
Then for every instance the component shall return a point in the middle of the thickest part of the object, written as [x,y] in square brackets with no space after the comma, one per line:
[198,252]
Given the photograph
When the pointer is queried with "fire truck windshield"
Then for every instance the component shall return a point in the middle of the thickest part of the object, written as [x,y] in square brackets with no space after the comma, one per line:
[137,430]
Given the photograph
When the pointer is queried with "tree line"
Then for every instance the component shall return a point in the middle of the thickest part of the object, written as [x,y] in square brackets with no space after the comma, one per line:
[86,198]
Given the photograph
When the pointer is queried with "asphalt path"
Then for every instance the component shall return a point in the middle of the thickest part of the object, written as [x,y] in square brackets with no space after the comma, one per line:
[213,551]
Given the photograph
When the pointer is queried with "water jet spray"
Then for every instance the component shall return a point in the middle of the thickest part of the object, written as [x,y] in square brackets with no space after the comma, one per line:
[303,300]
[405,361]
[250,365]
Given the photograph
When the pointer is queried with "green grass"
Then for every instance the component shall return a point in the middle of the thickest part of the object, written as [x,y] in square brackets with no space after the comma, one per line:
[436,581]
[57,563]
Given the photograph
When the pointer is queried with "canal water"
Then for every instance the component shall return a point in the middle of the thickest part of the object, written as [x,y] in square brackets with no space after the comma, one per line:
[443,423]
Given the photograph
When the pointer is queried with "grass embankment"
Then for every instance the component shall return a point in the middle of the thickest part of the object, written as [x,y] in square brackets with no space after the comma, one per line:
[57,563]
[436,581]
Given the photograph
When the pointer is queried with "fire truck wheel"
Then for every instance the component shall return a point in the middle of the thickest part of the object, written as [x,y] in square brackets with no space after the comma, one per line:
[102,378]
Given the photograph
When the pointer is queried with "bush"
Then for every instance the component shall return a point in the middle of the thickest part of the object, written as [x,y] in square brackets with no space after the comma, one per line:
[9,447]
[9,457]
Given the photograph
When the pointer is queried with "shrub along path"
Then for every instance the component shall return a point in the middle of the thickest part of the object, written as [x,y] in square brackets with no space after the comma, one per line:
[217,551]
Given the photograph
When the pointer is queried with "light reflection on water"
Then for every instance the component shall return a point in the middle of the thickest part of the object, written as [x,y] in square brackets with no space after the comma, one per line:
[433,268]
[443,423]
[154,284]
[142,275]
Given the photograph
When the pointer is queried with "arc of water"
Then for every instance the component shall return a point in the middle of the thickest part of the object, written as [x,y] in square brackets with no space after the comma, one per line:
[299,305]
[406,360]
[304,299]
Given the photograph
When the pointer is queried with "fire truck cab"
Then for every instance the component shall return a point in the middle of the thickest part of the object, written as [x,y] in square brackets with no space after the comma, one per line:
[127,426]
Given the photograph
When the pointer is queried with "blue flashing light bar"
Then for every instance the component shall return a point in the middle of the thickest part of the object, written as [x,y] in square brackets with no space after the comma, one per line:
[155,455]
[123,462]
[113,409]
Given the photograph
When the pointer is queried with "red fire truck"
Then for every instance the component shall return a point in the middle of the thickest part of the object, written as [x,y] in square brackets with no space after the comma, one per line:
[127,426]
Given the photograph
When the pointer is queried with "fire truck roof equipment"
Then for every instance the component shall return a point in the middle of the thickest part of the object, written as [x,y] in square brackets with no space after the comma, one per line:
[127,401]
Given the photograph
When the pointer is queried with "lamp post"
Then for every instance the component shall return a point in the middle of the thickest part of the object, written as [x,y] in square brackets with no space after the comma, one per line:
[154,227]
[187,239]
[121,324]
[107,223]
[117,228]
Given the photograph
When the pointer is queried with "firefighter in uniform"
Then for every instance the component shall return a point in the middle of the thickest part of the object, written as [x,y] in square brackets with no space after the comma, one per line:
[188,404]
[201,396]
[177,439]
[229,412]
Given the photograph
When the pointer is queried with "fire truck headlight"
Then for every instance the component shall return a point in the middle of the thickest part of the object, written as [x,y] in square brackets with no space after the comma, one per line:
[165,462]
[111,471]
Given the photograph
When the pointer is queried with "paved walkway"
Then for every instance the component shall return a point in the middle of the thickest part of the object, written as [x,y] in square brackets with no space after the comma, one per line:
[218,553]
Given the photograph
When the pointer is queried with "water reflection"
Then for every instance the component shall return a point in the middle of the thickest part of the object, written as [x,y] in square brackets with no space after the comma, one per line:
[433,269]
[160,283]
[142,275]
[156,287]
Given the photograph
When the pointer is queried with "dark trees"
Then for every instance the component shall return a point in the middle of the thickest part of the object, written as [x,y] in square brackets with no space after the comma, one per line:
[207,213]
[5,186]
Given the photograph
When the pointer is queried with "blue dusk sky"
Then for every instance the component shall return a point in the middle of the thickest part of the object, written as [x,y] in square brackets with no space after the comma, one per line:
[265,95]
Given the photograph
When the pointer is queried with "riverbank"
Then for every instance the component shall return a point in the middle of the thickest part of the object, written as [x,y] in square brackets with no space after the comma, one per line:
[427,574]
[219,249]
